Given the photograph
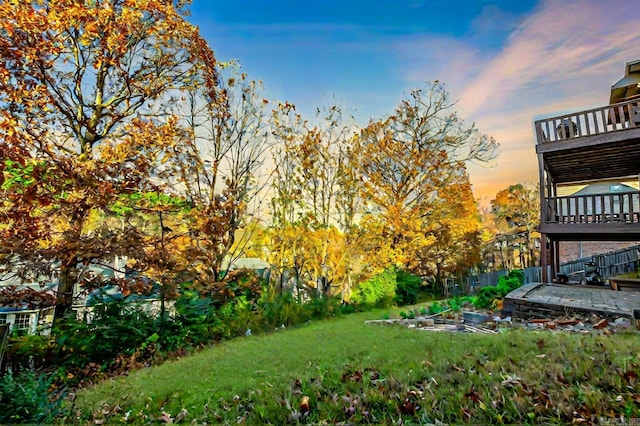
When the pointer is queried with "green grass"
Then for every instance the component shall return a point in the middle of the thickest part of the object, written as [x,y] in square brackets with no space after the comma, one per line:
[634,274]
[352,372]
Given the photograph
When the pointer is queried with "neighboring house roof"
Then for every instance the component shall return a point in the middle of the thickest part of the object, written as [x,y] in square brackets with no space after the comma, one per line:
[105,294]
[112,293]
[602,198]
[250,263]
[605,188]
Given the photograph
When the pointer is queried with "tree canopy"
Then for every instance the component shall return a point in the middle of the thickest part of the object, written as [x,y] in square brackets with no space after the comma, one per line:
[84,127]
[412,169]
[122,136]
[516,212]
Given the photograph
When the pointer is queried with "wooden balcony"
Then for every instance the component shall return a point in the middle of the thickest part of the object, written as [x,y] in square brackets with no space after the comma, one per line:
[589,148]
[592,217]
[595,144]
[596,208]
[592,122]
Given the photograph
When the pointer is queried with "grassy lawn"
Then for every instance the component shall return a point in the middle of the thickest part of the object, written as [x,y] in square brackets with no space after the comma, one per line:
[346,371]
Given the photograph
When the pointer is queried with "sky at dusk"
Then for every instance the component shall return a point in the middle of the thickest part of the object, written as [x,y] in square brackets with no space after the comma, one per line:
[506,62]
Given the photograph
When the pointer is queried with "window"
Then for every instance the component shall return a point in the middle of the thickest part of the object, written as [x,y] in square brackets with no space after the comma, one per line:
[3,319]
[21,322]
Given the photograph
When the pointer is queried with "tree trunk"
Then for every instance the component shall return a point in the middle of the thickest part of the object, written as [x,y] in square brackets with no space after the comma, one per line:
[66,285]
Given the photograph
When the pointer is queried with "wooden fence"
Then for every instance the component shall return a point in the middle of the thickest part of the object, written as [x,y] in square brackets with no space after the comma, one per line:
[473,283]
[609,264]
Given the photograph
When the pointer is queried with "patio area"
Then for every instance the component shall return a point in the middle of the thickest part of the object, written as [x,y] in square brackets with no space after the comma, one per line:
[552,300]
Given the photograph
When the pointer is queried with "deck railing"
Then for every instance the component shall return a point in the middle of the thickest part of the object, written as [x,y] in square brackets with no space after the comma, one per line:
[611,118]
[619,207]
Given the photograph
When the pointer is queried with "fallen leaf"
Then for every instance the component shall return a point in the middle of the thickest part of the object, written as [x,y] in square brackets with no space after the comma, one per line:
[601,324]
[511,381]
[181,415]
[304,405]
[166,418]
[539,320]
[408,407]
[472,395]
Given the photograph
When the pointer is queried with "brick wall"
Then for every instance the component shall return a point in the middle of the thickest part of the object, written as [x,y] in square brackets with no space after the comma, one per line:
[572,250]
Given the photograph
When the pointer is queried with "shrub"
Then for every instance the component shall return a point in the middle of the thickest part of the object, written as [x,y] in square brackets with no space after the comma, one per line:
[408,288]
[323,306]
[378,291]
[436,308]
[34,351]
[282,309]
[407,315]
[195,318]
[116,328]
[487,296]
[455,303]
[29,398]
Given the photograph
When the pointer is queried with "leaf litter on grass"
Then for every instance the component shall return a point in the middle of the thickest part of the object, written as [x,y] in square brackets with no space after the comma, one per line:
[370,375]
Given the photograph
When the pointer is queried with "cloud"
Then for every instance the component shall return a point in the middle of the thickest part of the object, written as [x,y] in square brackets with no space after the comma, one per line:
[506,69]
[493,20]
[563,56]
[564,50]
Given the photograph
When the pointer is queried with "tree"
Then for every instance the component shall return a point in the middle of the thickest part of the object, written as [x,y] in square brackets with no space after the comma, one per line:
[406,162]
[84,127]
[516,210]
[221,160]
[287,222]
[456,235]
[314,196]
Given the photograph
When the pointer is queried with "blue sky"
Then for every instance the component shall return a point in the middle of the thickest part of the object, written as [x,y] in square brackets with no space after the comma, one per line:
[505,61]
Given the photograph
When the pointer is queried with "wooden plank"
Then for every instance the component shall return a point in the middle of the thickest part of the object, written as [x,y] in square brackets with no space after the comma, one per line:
[604,121]
[618,283]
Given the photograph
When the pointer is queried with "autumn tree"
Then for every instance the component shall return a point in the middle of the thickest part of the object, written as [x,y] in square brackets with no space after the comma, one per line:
[327,194]
[455,232]
[516,211]
[406,163]
[219,173]
[314,196]
[84,125]
[489,252]
[321,156]
[287,222]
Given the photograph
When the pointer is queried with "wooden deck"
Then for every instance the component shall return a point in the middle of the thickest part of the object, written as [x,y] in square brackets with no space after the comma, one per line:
[539,300]
[596,144]
[599,144]
[582,148]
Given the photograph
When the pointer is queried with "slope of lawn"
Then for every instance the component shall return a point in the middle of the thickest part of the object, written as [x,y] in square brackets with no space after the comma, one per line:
[342,370]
